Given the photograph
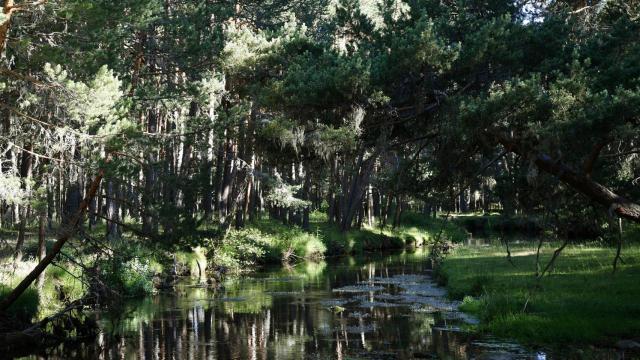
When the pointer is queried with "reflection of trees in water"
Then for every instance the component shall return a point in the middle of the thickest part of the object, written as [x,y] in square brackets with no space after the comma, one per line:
[278,317]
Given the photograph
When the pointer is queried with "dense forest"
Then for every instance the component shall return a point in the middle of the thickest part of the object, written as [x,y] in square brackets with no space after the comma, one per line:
[141,140]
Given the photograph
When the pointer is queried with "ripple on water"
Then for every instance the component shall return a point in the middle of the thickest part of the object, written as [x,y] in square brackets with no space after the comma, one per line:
[358,289]
[359,315]
[357,329]
[459,315]
[427,289]
[378,304]
[404,279]
[232,299]
[334,302]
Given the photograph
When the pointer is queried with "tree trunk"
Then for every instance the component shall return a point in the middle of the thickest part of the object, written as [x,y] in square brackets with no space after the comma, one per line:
[579,182]
[306,189]
[358,184]
[5,24]
[26,165]
[67,232]
[149,224]
[42,244]
[370,206]
[113,215]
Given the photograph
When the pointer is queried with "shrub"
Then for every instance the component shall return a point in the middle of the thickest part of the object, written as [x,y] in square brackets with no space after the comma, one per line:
[195,260]
[129,272]
[242,249]
[308,246]
[472,305]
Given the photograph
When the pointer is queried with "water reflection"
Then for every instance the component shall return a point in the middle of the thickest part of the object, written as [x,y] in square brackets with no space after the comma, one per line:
[389,311]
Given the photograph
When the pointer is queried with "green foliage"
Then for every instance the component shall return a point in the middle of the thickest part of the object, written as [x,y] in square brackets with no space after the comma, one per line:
[195,260]
[430,228]
[241,250]
[91,102]
[269,241]
[471,305]
[129,271]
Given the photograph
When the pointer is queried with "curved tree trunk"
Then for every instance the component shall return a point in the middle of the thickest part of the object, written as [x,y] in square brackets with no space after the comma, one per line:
[582,183]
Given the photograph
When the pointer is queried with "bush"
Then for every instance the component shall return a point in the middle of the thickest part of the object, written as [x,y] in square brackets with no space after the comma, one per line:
[195,261]
[243,249]
[129,272]
[472,305]
[432,227]
[308,246]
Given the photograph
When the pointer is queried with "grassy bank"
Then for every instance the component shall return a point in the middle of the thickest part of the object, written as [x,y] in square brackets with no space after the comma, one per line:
[268,241]
[581,301]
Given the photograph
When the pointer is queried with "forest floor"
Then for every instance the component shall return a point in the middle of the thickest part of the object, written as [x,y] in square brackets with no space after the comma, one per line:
[579,301]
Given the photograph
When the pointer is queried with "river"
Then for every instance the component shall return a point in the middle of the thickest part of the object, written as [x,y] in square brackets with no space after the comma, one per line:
[373,307]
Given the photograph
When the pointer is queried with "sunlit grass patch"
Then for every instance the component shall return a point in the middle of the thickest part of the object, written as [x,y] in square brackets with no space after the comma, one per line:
[26,306]
[579,301]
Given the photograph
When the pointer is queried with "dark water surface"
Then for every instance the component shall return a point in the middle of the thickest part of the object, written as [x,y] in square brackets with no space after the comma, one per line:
[382,307]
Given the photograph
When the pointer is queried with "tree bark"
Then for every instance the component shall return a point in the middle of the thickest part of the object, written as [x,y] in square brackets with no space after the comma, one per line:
[26,165]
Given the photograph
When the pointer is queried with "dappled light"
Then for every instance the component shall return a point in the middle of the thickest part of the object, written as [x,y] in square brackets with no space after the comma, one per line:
[319,179]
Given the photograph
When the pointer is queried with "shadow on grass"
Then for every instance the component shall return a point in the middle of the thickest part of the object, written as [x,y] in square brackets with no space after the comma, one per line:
[580,301]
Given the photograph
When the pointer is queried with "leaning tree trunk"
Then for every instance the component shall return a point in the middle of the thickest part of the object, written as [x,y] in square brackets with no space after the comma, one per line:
[580,182]
[67,232]
[42,245]
[358,184]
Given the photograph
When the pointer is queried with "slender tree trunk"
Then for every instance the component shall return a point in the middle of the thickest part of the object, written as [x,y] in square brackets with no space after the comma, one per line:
[42,244]
[306,189]
[225,184]
[370,219]
[113,214]
[5,24]
[26,165]
[358,185]
[398,211]
[149,224]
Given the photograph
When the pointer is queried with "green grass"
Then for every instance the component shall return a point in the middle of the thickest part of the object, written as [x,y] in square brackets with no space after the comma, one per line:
[59,286]
[581,301]
[26,306]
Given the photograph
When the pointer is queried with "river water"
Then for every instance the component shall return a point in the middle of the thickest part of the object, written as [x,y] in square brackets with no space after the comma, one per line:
[376,307]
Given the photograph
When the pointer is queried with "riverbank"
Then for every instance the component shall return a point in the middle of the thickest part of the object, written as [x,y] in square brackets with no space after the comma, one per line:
[379,305]
[267,241]
[131,268]
[579,302]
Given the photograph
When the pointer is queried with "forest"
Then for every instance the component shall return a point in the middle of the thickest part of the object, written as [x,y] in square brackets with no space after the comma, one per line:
[298,179]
